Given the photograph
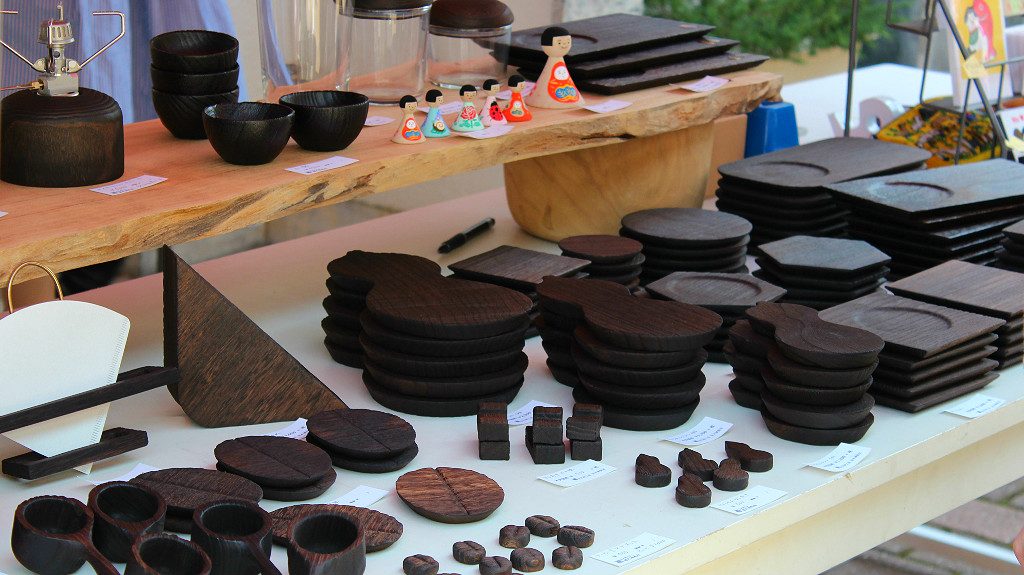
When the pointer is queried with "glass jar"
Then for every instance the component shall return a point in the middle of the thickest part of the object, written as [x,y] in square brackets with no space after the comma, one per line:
[304,45]
[469,42]
[389,49]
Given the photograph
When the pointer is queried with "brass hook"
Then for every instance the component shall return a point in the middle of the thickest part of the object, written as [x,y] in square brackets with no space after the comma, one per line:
[14,274]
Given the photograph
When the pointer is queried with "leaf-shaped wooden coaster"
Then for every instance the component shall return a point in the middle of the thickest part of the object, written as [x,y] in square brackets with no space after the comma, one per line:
[694,463]
[650,472]
[269,461]
[362,433]
[750,459]
[691,491]
[449,494]
[730,476]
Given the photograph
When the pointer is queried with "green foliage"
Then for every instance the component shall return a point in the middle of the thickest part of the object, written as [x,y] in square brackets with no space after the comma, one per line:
[778,28]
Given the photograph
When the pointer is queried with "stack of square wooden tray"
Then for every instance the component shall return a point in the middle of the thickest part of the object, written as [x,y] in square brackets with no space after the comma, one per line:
[925,218]
[1013,257]
[979,289]
[822,272]
[782,193]
[624,52]
[932,353]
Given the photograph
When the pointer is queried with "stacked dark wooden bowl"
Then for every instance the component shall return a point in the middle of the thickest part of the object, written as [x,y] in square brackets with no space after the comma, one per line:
[612,258]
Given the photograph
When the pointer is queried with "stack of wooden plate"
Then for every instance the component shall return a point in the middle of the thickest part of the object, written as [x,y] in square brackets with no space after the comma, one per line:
[517,268]
[639,358]
[782,193]
[688,239]
[364,440]
[440,347]
[822,272]
[932,353]
[925,218]
[1013,258]
[625,52]
[613,258]
[352,276]
[979,289]
[728,295]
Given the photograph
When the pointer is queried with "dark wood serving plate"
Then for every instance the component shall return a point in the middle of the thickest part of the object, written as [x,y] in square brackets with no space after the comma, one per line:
[804,224]
[702,264]
[824,256]
[906,363]
[897,377]
[744,397]
[817,377]
[686,228]
[434,407]
[450,495]
[810,200]
[830,295]
[957,234]
[809,436]
[728,251]
[601,249]
[440,367]
[813,280]
[276,462]
[644,57]
[910,390]
[304,493]
[638,377]
[666,397]
[516,267]
[654,273]
[345,298]
[719,292]
[358,271]
[398,461]
[803,336]
[807,395]
[448,388]
[730,201]
[818,416]
[941,396]
[362,433]
[413,345]
[638,419]
[748,342]
[379,529]
[741,361]
[642,78]
[632,359]
[967,286]
[903,247]
[911,327]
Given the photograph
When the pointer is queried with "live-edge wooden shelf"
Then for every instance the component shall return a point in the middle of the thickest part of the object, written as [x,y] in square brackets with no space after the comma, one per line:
[204,196]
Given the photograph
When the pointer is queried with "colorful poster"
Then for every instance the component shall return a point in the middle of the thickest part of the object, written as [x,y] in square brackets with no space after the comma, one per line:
[1013,7]
[980,25]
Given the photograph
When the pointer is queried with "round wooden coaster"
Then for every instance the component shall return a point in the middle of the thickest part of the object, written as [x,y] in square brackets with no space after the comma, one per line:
[806,338]
[748,341]
[809,436]
[616,269]
[727,250]
[379,529]
[818,416]
[340,337]
[554,335]
[413,345]
[623,279]
[635,377]
[304,493]
[628,358]
[270,461]
[744,397]
[450,495]
[434,407]
[345,298]
[600,249]
[185,488]
[444,388]
[685,227]
[563,375]
[344,355]
[668,397]
[800,394]
[359,271]
[394,463]
[811,376]
[341,315]
[742,361]
[443,367]
[638,419]
[698,264]
[361,433]
[451,309]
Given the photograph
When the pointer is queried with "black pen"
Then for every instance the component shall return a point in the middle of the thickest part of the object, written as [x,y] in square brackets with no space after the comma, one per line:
[466,235]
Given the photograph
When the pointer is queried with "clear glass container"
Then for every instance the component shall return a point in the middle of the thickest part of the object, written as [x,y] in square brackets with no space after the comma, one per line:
[467,56]
[304,44]
[389,49]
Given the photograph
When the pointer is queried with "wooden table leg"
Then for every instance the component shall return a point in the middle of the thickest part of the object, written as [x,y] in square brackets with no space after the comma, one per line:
[588,191]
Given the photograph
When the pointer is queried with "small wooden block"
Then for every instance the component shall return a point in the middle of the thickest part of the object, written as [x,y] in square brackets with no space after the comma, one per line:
[750,459]
[495,450]
[492,422]
[527,560]
[514,536]
[583,428]
[543,525]
[691,492]
[803,336]
[585,410]
[693,463]
[576,536]
[650,472]
[810,436]
[277,462]
[380,529]
[420,565]
[468,552]
[730,476]
[362,433]
[516,267]
[601,249]
[113,442]
[544,453]
[184,488]
[495,565]
[585,450]
[567,558]
[450,495]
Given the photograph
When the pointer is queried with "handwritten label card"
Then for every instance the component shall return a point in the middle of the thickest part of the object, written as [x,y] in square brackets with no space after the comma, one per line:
[842,458]
[296,430]
[362,496]
[118,188]
[976,406]
[492,132]
[633,550]
[608,106]
[136,471]
[753,498]
[705,84]
[331,163]
[577,474]
[377,121]
[708,430]
[524,415]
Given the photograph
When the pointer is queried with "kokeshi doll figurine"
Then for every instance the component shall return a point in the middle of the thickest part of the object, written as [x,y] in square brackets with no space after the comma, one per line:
[555,89]
[469,118]
[409,132]
[492,115]
[516,111]
[435,126]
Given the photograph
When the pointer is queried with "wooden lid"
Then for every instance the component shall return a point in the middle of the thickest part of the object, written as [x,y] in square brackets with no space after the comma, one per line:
[470,14]
[390,4]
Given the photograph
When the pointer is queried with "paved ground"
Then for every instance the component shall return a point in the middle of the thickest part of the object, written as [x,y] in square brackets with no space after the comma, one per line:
[995,518]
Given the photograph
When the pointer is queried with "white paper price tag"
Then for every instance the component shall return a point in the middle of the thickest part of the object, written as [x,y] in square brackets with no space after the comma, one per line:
[2,214]
[377,121]
[118,188]
[635,549]
[362,496]
[331,163]
[296,430]
[136,471]
[608,106]
[524,415]
[842,458]
[976,406]
[705,84]
[753,498]
[708,430]
[492,132]
[582,473]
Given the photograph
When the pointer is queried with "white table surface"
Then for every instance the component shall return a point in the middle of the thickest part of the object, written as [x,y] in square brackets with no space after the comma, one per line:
[920,465]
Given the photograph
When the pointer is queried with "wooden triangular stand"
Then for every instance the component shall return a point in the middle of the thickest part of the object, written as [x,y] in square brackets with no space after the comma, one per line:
[231,371]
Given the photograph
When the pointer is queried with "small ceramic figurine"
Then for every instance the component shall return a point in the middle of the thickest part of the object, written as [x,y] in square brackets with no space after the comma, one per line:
[492,115]
[435,126]
[469,119]
[517,110]
[555,89]
[409,132]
